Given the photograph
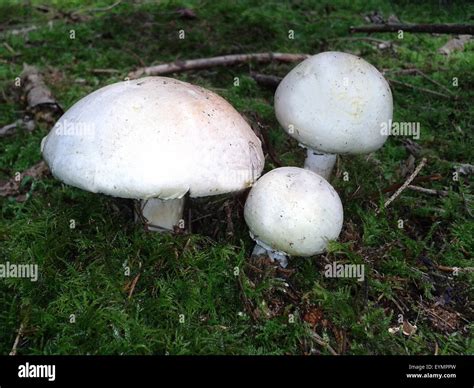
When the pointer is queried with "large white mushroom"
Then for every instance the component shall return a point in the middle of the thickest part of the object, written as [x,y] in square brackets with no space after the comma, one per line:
[154,139]
[334,103]
[291,211]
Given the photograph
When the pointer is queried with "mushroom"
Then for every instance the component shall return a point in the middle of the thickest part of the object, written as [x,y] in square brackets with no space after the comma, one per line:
[291,211]
[154,139]
[334,103]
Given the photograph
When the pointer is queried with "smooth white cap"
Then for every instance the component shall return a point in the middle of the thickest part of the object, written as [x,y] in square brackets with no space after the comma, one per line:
[294,211]
[335,102]
[154,137]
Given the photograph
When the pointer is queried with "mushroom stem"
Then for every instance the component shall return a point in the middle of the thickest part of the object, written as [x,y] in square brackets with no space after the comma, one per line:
[263,249]
[320,163]
[161,215]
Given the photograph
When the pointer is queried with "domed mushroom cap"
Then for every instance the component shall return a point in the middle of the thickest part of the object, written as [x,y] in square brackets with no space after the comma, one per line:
[335,103]
[294,211]
[154,137]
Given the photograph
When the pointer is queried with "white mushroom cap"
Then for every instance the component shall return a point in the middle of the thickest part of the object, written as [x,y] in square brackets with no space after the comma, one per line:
[154,137]
[294,211]
[335,103]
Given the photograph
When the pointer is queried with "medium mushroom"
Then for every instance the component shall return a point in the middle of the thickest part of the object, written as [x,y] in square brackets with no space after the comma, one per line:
[291,211]
[334,103]
[154,139]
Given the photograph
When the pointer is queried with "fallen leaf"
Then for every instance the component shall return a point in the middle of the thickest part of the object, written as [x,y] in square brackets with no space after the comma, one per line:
[11,187]
[465,169]
[38,96]
[456,44]
[408,329]
[313,316]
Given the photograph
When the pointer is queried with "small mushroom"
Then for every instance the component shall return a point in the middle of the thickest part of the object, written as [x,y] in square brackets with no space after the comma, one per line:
[291,211]
[334,103]
[154,139]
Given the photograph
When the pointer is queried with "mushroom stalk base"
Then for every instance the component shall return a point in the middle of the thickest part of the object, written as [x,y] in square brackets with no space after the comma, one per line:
[263,249]
[320,163]
[161,215]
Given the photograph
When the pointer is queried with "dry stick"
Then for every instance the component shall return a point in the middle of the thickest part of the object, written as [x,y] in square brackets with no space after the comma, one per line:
[316,338]
[270,81]
[366,38]
[434,177]
[443,268]
[8,129]
[404,186]
[9,48]
[423,74]
[435,82]
[105,71]
[91,10]
[419,88]
[17,339]
[428,28]
[428,191]
[225,60]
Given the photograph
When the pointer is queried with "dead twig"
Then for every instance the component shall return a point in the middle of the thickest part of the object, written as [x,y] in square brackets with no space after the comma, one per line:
[355,38]
[423,190]
[416,71]
[317,338]
[10,129]
[204,63]
[404,185]
[92,10]
[9,48]
[19,31]
[434,177]
[270,81]
[452,270]
[105,71]
[424,90]
[17,339]
[421,28]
